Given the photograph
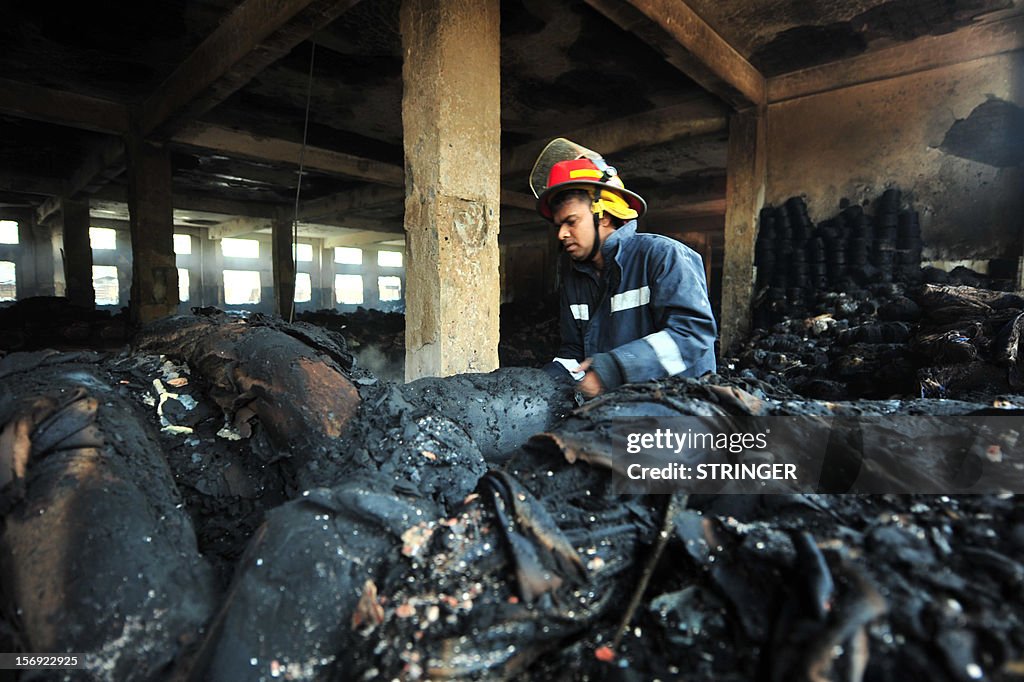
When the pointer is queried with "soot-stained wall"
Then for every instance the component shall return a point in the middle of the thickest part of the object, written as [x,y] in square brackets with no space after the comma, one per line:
[951,138]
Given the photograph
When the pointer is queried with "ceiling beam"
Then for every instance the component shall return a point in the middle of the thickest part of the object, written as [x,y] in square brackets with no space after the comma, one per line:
[518,200]
[247,145]
[360,238]
[538,237]
[712,226]
[192,201]
[691,45]
[29,184]
[929,52]
[38,103]
[694,209]
[104,162]
[112,223]
[256,34]
[51,207]
[342,203]
[237,226]
[260,214]
[703,116]
[350,200]
[392,226]
[681,210]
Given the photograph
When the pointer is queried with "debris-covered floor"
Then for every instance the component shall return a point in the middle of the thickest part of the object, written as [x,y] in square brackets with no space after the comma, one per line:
[235,498]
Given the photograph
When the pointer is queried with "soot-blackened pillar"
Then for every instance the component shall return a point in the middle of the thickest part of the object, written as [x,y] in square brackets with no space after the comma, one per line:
[77,253]
[745,187]
[154,273]
[451,114]
[283,260]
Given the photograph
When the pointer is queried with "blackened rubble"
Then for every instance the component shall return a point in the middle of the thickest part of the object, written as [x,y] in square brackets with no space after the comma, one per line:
[385,531]
[54,322]
[529,336]
[855,316]
[97,553]
[375,338]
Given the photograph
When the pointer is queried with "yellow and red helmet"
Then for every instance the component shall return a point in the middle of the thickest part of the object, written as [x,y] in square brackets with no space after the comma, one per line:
[583,169]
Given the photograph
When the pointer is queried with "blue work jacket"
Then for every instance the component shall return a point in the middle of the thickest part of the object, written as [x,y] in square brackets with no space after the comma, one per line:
[648,310]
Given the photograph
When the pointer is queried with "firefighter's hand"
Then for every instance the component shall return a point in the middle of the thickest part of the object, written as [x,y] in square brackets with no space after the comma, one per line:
[590,384]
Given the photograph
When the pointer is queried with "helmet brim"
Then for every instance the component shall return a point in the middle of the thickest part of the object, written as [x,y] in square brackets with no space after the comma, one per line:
[635,201]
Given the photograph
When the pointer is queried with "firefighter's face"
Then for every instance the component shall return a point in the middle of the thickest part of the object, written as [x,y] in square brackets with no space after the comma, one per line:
[575,224]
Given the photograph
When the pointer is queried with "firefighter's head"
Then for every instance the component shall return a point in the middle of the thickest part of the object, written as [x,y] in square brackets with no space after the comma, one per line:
[572,183]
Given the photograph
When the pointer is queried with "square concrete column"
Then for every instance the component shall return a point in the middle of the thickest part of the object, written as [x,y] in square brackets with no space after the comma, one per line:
[371,271]
[451,115]
[746,171]
[283,259]
[154,273]
[78,253]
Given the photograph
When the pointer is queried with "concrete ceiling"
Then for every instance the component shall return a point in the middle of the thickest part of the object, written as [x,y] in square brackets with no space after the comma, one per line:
[780,36]
[565,68]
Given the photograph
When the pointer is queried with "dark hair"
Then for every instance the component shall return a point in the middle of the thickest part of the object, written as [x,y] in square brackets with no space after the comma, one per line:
[562,198]
[556,202]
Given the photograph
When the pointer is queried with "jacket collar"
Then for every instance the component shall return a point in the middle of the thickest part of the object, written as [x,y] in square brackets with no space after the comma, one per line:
[610,249]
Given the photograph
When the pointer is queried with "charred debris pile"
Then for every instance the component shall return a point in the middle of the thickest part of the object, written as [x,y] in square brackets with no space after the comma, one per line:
[375,338]
[55,322]
[236,500]
[843,309]
[529,336]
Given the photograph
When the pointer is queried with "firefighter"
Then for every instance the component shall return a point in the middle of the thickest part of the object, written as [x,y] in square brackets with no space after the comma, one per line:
[634,306]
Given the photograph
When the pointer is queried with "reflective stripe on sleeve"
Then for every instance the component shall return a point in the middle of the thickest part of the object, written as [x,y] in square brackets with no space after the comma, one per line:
[631,299]
[580,311]
[667,351]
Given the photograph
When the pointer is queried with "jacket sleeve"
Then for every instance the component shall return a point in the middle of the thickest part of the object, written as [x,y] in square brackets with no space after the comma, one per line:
[685,342]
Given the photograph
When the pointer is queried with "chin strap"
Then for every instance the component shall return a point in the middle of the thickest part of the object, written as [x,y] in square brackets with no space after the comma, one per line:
[598,212]
[596,248]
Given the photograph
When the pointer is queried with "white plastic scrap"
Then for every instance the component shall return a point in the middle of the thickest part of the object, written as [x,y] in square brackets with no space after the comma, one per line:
[164,395]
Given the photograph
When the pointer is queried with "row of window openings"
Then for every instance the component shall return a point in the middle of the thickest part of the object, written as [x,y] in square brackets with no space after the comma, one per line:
[244,287]
[344,255]
[240,286]
[104,238]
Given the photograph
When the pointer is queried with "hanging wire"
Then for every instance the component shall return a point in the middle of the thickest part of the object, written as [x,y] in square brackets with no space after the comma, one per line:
[298,186]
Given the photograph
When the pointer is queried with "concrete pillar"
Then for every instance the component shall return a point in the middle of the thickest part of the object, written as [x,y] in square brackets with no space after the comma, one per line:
[39,258]
[60,285]
[78,253]
[371,271]
[451,132]
[123,261]
[323,277]
[154,274]
[283,258]
[744,192]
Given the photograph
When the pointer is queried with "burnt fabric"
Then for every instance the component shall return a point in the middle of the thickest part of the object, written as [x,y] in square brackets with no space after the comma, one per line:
[96,552]
[524,562]
[256,369]
[499,410]
[296,594]
[955,341]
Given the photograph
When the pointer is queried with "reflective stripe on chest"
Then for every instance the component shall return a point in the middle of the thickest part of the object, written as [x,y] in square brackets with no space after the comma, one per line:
[633,298]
